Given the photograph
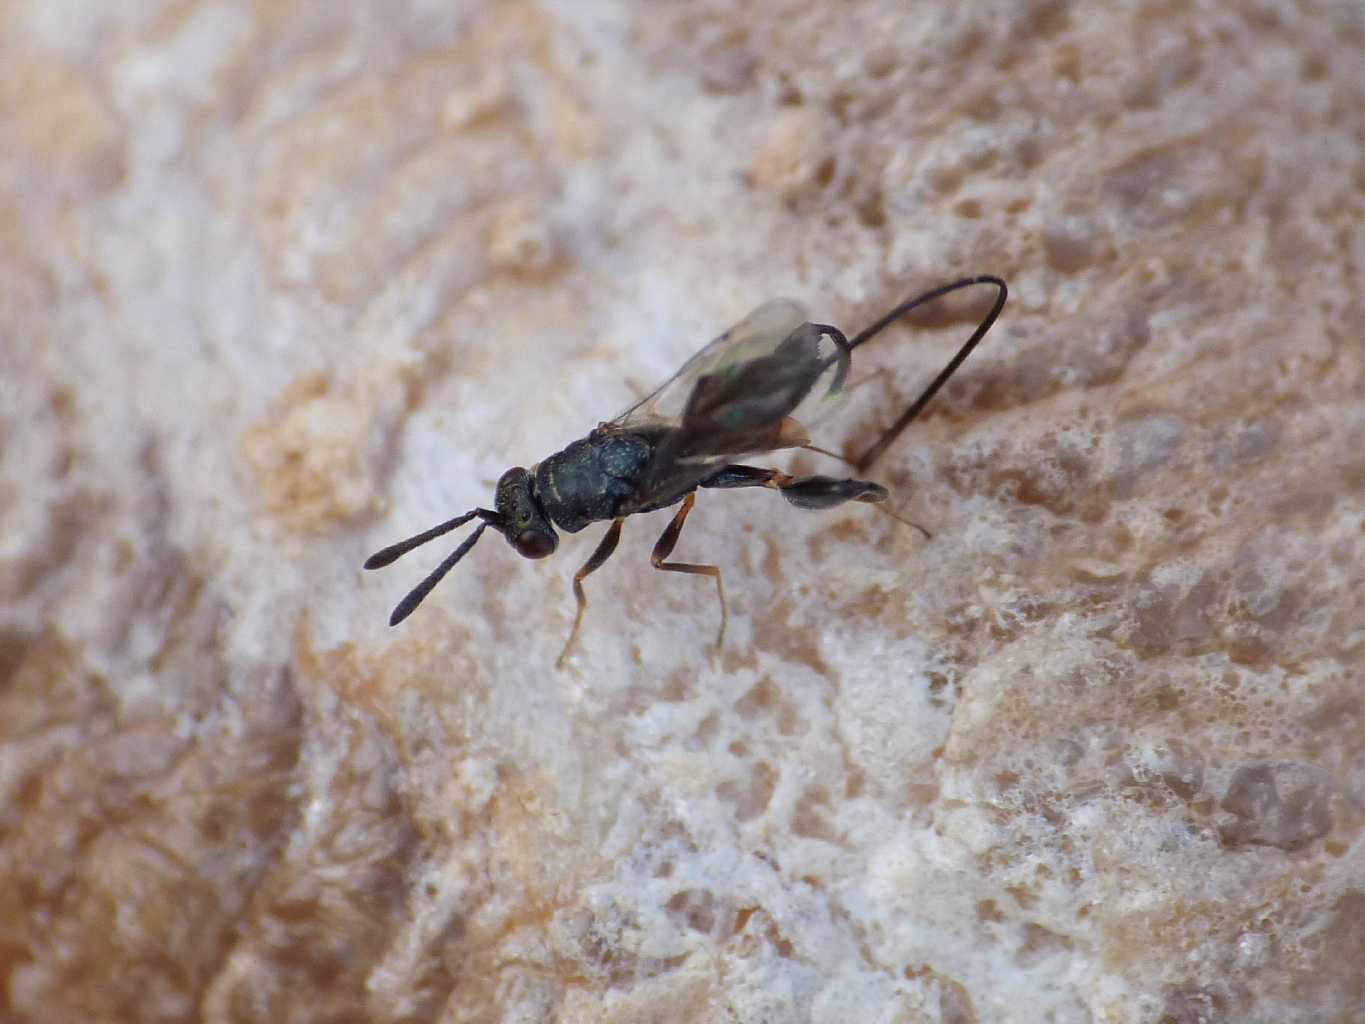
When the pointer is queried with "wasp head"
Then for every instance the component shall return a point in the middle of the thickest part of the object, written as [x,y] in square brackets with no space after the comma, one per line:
[522,521]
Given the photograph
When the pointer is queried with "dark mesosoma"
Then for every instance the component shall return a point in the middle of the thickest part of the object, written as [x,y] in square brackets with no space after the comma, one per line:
[740,395]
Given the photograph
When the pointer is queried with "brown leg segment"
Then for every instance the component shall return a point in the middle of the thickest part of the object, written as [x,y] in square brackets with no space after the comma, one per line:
[603,552]
[664,548]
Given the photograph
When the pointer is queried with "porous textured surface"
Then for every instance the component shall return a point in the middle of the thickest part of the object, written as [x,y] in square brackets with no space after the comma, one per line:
[282,282]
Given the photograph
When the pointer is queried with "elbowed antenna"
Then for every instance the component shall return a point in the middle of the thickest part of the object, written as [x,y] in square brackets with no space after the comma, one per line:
[418,593]
[867,334]
[394,552]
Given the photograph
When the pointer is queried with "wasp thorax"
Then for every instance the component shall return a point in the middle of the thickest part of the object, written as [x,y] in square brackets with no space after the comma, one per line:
[522,520]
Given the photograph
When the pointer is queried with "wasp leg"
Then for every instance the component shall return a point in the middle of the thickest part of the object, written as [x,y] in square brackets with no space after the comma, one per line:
[809,492]
[816,492]
[812,492]
[603,552]
[664,548]
[747,476]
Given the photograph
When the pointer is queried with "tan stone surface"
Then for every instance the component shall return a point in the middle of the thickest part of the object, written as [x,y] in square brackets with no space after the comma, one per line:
[282,282]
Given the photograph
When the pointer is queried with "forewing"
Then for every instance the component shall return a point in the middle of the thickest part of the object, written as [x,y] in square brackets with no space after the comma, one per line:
[744,399]
[758,334]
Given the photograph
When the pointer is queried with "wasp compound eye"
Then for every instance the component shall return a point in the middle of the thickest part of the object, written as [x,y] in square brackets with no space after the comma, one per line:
[535,543]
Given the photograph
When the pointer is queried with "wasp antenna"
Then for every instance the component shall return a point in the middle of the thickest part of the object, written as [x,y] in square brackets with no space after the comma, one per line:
[394,552]
[885,441]
[418,593]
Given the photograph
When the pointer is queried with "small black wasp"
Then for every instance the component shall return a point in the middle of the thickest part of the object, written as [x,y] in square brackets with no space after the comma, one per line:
[737,397]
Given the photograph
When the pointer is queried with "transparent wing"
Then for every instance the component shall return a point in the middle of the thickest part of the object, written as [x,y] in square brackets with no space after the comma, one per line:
[757,334]
[742,394]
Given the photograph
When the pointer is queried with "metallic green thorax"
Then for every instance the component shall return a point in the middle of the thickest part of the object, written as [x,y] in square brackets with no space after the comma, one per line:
[592,479]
